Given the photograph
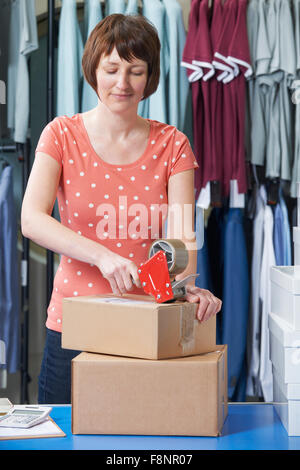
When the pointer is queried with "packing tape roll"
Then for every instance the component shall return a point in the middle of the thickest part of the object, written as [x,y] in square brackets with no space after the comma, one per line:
[176,254]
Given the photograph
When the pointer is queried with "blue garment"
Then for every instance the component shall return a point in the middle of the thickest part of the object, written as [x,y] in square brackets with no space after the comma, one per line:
[132,7]
[114,6]
[9,276]
[23,40]
[93,14]
[235,298]
[55,374]
[214,236]
[70,50]
[177,80]
[278,235]
[282,234]
[154,11]
[287,247]
[203,267]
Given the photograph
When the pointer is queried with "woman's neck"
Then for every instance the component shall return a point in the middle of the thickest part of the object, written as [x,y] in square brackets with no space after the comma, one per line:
[115,125]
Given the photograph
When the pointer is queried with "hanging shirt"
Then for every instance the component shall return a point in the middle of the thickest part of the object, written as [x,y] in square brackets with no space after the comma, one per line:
[265,42]
[194,72]
[254,327]
[296,162]
[215,247]
[120,206]
[282,234]
[278,235]
[70,50]
[239,54]
[272,84]
[9,274]
[132,7]
[252,29]
[23,41]
[178,84]
[229,116]
[94,15]
[235,298]
[221,46]
[114,6]
[155,12]
[287,248]
[286,130]
[203,266]
[296,18]
[211,168]
[287,50]
[268,260]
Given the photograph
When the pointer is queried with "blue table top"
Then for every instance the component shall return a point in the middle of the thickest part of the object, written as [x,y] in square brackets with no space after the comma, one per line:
[249,426]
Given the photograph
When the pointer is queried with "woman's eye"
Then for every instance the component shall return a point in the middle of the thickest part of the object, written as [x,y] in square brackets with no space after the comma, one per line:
[110,71]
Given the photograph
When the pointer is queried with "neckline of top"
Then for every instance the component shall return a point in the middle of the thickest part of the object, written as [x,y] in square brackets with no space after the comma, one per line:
[118,165]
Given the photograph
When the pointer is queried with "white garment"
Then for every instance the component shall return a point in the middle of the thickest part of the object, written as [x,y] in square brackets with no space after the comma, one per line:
[253,340]
[268,260]
[23,41]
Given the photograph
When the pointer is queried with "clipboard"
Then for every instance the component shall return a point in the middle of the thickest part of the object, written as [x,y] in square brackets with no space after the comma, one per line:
[43,430]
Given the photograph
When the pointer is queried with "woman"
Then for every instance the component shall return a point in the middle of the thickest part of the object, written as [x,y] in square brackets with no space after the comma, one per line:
[114,174]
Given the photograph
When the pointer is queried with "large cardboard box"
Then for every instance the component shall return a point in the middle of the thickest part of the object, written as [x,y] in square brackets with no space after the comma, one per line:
[135,326]
[117,395]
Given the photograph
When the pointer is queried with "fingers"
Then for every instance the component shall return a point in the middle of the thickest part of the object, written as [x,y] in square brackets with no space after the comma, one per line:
[121,274]
[209,305]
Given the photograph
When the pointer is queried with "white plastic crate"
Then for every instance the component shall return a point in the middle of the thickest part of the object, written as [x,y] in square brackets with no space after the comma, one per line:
[286,400]
[284,349]
[285,294]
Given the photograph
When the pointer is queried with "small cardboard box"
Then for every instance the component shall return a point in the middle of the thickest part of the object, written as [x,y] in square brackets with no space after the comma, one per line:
[117,395]
[135,326]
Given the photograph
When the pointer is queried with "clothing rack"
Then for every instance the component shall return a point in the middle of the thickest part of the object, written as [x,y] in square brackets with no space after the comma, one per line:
[50,116]
[23,151]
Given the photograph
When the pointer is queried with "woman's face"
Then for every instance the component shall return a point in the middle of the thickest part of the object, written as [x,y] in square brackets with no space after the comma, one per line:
[121,84]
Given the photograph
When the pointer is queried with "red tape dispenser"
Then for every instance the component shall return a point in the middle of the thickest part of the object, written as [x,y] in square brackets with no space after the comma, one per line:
[167,258]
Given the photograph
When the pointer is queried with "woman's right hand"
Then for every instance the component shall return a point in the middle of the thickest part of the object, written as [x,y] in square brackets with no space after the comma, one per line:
[120,272]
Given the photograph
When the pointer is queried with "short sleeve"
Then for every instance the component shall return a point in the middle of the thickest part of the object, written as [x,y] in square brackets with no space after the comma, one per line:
[182,157]
[51,141]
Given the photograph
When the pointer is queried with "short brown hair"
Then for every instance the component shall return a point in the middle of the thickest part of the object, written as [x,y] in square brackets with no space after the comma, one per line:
[133,36]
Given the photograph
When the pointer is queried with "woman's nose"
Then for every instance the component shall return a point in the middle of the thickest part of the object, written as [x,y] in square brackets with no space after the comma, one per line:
[123,82]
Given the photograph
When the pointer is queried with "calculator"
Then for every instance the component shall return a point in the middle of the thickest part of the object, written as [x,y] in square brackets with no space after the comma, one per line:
[24,416]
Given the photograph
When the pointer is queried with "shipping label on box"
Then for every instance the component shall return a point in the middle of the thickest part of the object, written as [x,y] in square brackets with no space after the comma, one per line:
[118,395]
[135,326]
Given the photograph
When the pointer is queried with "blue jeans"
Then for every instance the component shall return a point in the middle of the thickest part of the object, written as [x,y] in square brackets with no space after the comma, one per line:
[55,374]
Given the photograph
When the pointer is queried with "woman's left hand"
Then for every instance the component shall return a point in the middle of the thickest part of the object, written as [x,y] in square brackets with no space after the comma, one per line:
[209,305]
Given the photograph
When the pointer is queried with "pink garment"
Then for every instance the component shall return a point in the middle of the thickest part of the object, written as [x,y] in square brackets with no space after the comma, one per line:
[119,206]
